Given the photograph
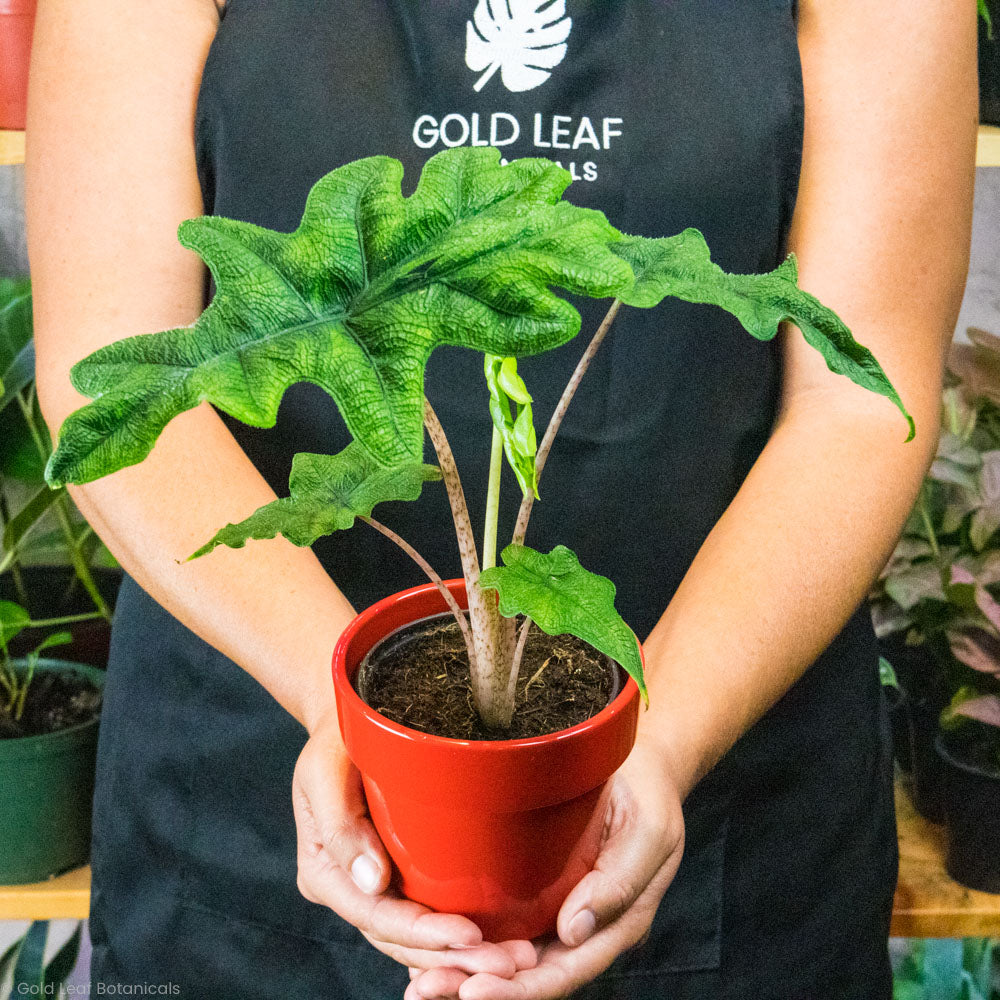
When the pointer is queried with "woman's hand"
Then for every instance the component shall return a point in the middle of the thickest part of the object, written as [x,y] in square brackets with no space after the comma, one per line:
[343,865]
[609,911]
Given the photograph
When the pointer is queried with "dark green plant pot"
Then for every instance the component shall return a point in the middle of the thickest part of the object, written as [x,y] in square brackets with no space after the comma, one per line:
[46,796]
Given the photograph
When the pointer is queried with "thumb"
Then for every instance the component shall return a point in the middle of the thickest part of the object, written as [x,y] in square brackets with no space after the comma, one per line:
[633,870]
[331,817]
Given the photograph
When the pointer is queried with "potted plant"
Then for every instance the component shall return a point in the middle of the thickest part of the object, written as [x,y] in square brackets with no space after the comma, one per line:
[48,744]
[48,708]
[969,749]
[17,22]
[356,299]
[51,562]
[940,585]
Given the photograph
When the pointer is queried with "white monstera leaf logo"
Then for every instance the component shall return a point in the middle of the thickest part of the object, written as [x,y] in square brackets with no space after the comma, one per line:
[524,39]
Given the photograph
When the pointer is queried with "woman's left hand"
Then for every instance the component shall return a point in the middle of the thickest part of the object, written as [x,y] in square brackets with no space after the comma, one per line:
[610,910]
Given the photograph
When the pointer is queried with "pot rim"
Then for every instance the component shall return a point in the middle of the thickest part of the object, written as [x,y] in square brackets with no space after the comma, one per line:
[345,689]
[941,747]
[14,744]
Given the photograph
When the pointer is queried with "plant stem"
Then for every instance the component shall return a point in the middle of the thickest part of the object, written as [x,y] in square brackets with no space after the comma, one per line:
[492,635]
[433,576]
[527,501]
[61,510]
[86,616]
[493,501]
[925,516]
[515,667]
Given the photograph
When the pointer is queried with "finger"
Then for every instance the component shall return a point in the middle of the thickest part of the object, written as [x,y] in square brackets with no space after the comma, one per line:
[446,982]
[488,959]
[330,814]
[560,969]
[435,983]
[629,862]
[385,917]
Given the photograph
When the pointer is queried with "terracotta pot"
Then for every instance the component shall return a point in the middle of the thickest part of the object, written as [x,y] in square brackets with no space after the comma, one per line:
[498,831]
[17,22]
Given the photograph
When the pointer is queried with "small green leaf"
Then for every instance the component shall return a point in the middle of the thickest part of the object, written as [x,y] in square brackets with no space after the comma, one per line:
[886,673]
[327,493]
[918,583]
[354,301]
[983,526]
[28,516]
[984,13]
[517,432]
[18,375]
[58,970]
[29,972]
[681,266]
[56,639]
[560,596]
[13,620]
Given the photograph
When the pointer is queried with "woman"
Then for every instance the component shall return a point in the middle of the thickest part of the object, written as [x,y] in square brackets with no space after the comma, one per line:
[741,496]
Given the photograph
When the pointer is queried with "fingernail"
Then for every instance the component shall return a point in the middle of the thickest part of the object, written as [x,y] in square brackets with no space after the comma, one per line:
[582,926]
[464,947]
[365,873]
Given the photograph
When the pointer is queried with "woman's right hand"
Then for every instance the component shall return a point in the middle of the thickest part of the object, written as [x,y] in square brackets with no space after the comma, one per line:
[343,865]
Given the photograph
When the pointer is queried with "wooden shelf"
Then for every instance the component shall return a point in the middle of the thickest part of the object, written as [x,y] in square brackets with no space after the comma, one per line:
[928,903]
[988,147]
[11,147]
[62,898]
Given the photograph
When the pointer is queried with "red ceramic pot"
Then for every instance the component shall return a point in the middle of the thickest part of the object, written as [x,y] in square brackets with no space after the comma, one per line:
[498,831]
[17,22]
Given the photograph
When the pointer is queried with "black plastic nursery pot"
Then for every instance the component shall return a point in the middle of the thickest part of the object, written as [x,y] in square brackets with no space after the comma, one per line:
[928,771]
[971,799]
[46,795]
[899,725]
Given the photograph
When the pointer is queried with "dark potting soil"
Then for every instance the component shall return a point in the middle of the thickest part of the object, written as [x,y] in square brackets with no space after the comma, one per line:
[55,700]
[419,677]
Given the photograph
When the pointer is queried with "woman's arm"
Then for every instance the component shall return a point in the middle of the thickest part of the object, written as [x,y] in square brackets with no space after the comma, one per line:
[881,230]
[111,174]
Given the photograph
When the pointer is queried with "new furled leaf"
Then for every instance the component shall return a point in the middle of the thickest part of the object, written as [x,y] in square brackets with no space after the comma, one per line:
[517,429]
[327,493]
[354,301]
[681,266]
[560,596]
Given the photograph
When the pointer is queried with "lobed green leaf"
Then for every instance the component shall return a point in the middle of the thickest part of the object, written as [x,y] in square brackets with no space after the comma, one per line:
[560,596]
[681,266]
[327,493]
[354,300]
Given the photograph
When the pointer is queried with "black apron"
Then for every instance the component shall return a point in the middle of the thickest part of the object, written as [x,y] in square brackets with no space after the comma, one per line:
[671,114]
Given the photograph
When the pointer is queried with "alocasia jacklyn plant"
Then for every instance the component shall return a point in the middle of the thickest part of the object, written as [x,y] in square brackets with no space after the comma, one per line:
[355,300]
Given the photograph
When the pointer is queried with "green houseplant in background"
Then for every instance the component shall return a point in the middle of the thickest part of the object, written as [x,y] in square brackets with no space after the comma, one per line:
[24,971]
[937,613]
[48,708]
[945,969]
[356,299]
